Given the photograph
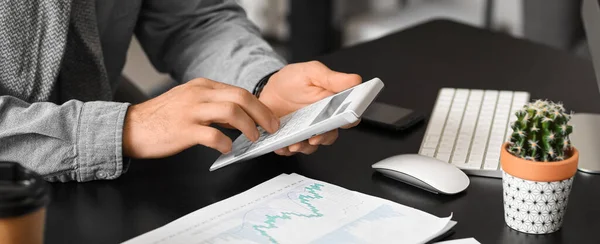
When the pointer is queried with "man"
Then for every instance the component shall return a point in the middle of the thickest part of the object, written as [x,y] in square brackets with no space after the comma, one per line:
[61,60]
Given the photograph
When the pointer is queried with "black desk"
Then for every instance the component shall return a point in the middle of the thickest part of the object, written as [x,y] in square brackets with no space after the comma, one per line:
[414,64]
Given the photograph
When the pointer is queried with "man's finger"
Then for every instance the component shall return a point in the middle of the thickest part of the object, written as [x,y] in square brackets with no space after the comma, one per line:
[351,125]
[315,140]
[228,113]
[327,138]
[309,149]
[250,104]
[330,137]
[303,147]
[283,152]
[296,147]
[337,81]
[212,138]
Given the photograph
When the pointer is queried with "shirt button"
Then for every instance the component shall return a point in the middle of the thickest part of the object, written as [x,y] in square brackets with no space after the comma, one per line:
[101,174]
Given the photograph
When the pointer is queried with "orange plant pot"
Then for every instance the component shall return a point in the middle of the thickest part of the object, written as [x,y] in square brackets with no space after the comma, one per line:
[539,171]
[536,193]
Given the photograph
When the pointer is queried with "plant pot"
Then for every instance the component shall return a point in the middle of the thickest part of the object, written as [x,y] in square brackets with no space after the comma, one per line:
[536,193]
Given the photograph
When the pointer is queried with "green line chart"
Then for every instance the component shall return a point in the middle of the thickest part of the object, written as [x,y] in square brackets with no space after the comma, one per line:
[271,220]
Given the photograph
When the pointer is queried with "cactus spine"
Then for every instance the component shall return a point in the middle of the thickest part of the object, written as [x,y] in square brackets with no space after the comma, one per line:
[541,132]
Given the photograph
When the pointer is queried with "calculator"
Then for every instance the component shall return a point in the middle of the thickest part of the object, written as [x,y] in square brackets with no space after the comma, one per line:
[343,108]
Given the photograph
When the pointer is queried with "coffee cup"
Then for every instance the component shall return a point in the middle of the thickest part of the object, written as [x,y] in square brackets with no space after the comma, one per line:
[24,196]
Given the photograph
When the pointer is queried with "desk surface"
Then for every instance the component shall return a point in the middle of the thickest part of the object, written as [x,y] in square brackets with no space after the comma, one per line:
[414,64]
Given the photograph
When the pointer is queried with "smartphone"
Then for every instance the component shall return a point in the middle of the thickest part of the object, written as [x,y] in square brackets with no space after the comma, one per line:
[391,117]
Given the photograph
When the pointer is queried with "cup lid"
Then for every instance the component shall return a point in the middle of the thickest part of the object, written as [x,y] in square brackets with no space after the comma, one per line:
[22,191]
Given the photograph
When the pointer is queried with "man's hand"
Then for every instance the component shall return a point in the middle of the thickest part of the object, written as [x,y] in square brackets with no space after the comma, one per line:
[301,84]
[180,118]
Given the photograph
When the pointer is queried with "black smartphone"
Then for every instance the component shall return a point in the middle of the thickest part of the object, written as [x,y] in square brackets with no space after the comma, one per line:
[391,117]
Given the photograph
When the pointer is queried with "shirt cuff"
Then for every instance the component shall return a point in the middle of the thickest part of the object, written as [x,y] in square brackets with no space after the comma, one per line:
[252,75]
[99,144]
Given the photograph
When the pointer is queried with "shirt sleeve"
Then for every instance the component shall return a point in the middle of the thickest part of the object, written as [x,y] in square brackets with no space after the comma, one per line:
[201,38]
[75,141]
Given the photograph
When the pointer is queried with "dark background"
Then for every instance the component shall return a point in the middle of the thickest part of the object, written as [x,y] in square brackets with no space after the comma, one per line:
[440,54]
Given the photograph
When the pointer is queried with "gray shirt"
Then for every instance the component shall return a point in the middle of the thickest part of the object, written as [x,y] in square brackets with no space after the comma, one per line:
[73,137]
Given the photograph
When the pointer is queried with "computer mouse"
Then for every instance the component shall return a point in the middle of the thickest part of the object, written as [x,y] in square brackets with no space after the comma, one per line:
[425,172]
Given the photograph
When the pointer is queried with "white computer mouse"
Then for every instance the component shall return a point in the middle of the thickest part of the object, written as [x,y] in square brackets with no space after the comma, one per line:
[424,172]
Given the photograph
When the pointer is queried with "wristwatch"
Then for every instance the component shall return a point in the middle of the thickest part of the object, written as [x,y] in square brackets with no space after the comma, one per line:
[262,83]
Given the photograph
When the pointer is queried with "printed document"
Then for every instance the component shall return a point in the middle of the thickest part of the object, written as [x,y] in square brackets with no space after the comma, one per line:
[296,209]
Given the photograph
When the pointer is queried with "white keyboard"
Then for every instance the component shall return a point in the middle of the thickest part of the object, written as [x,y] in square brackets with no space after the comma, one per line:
[468,127]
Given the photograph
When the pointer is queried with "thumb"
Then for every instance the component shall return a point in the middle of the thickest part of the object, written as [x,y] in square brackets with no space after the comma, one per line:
[337,81]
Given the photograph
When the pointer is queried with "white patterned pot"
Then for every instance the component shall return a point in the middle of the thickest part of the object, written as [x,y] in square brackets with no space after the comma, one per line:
[535,207]
[536,194]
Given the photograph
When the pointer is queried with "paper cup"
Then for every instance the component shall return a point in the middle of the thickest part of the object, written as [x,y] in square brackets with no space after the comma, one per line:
[24,196]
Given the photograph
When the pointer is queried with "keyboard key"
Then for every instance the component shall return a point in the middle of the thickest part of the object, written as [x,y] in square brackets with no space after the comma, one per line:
[474,163]
[459,156]
[446,145]
[447,91]
[443,156]
[437,124]
[498,137]
[494,150]
[490,93]
[496,160]
[476,155]
[521,95]
[480,139]
[464,135]
[471,165]
[462,145]
[430,144]
[461,148]
[432,138]
[434,131]
[448,139]
[458,161]
[490,165]
[498,129]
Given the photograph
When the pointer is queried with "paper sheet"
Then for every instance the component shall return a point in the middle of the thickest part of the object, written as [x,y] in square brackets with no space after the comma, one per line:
[460,241]
[296,209]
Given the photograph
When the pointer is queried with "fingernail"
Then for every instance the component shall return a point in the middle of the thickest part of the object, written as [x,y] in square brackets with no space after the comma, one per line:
[226,145]
[275,124]
[226,149]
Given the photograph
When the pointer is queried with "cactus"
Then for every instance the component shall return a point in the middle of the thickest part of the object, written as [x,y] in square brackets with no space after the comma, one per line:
[541,132]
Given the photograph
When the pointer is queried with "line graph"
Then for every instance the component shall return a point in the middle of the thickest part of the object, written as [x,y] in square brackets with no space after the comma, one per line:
[291,209]
[296,209]
[304,199]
